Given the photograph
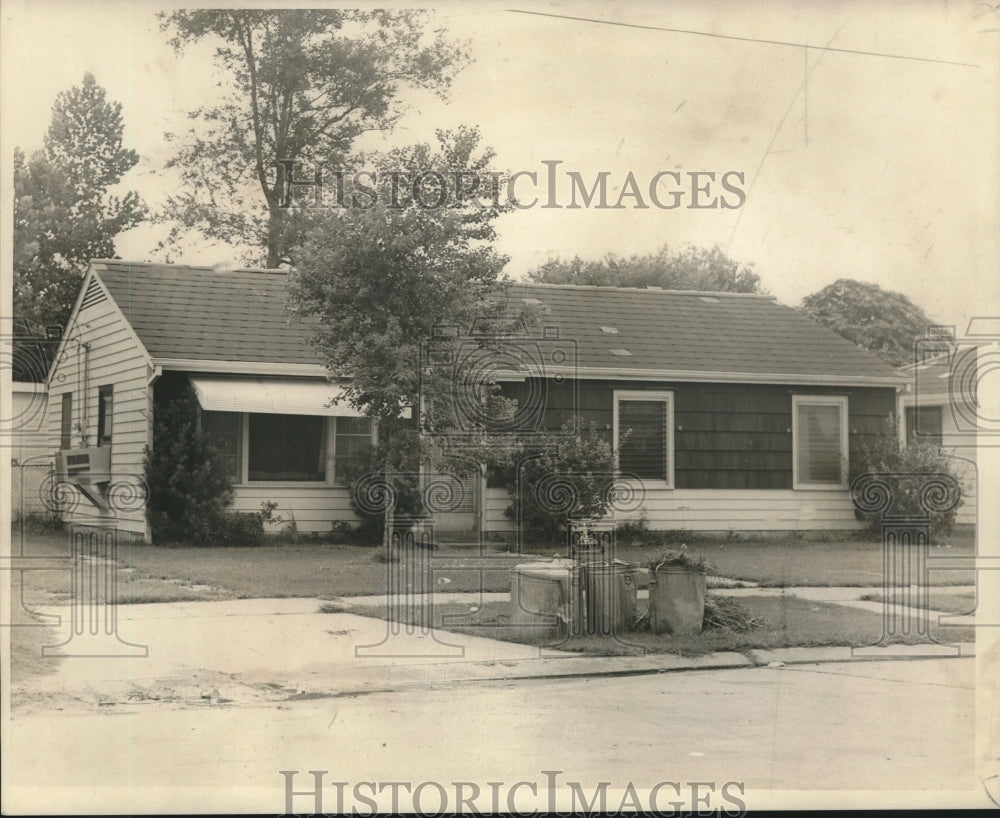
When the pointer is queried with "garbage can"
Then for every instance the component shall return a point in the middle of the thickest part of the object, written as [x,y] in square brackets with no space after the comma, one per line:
[676,601]
[611,594]
[544,600]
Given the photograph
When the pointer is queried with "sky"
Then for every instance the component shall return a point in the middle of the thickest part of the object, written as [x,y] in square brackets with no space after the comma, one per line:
[873,153]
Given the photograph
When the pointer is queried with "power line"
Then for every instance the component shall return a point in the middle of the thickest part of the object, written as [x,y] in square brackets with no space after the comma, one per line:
[745,39]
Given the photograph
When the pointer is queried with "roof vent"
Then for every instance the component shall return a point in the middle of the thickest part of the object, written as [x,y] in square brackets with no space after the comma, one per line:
[709,299]
[621,353]
[94,295]
[610,330]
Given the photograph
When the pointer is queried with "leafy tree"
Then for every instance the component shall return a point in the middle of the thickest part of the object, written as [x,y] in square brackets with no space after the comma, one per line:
[693,268]
[381,282]
[302,86]
[878,320]
[63,213]
[382,279]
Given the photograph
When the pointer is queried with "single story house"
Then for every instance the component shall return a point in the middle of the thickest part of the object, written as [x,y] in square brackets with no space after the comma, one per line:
[744,413]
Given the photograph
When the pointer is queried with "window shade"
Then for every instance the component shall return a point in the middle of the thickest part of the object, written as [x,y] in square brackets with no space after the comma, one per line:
[644,453]
[819,445]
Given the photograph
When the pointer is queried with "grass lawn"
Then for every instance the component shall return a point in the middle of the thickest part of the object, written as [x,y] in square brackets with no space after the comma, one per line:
[787,622]
[161,574]
[157,574]
[790,562]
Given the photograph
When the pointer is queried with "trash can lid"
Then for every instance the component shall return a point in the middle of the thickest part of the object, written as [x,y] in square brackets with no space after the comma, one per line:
[616,564]
[549,569]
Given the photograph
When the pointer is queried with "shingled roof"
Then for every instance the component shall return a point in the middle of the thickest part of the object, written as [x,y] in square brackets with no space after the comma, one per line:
[219,315]
[209,314]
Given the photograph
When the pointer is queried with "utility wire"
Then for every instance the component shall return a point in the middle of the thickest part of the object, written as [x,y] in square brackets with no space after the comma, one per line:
[744,39]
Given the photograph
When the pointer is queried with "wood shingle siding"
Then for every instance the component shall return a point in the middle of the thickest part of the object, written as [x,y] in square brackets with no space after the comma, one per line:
[726,436]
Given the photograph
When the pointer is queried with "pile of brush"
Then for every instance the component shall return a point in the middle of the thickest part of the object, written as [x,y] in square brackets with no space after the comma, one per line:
[725,613]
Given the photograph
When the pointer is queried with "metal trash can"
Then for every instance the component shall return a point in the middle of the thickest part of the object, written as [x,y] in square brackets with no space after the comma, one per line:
[676,601]
[544,600]
[611,597]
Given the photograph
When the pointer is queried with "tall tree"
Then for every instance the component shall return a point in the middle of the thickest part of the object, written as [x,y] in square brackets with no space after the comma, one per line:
[302,86]
[381,282]
[882,321]
[379,279]
[64,214]
[693,268]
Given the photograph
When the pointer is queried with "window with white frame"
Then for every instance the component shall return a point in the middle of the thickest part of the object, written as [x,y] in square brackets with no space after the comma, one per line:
[224,431]
[277,448]
[819,441]
[352,443]
[643,434]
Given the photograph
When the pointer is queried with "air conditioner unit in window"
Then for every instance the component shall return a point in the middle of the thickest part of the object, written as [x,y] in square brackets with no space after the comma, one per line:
[85,467]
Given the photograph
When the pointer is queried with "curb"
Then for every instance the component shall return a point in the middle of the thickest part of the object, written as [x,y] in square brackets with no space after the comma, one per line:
[751,659]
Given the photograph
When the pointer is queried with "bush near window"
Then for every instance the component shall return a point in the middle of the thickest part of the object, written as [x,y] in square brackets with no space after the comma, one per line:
[906,468]
[244,528]
[564,476]
[188,484]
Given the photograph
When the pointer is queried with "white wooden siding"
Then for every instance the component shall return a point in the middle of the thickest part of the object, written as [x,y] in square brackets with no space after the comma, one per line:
[114,359]
[314,508]
[722,510]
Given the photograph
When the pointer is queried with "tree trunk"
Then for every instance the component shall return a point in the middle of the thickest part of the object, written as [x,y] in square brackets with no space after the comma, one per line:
[276,226]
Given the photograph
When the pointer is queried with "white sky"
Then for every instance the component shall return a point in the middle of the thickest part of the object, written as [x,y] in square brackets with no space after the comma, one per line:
[885,170]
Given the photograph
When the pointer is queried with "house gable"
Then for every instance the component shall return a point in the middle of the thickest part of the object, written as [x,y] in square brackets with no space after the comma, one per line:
[105,370]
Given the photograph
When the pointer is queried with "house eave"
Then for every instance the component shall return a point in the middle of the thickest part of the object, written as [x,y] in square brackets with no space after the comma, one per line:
[582,373]
[241,367]
[789,379]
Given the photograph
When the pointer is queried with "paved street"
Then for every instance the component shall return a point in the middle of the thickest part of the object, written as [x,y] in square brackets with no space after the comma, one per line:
[268,685]
[902,727]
